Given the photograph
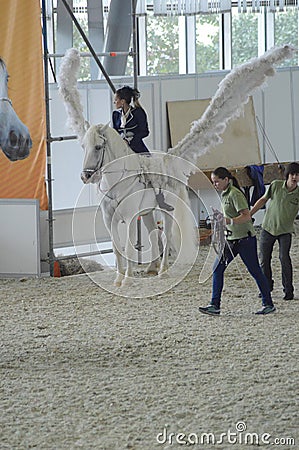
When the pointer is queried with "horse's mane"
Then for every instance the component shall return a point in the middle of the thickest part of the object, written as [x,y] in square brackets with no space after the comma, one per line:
[115,140]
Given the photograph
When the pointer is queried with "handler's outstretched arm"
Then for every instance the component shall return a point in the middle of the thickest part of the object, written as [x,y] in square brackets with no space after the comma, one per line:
[258,205]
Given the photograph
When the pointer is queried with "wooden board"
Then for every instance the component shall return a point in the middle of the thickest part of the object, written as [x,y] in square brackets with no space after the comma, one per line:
[240,145]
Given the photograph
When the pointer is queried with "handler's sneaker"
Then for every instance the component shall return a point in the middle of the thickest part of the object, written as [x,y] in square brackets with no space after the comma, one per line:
[210,309]
[266,310]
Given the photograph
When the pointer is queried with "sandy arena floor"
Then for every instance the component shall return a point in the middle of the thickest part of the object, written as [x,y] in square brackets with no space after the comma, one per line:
[82,368]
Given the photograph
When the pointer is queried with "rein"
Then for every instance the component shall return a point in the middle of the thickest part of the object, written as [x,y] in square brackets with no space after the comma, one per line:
[106,171]
[124,193]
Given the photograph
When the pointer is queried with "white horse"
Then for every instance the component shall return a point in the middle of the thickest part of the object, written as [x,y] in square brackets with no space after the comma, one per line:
[15,140]
[126,179]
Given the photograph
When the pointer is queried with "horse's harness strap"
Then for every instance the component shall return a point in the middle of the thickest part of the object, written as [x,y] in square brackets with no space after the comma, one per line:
[6,99]
[92,171]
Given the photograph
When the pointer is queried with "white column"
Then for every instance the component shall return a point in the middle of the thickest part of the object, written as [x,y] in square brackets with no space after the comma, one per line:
[142,53]
[269,29]
[191,43]
[182,45]
[226,46]
[261,30]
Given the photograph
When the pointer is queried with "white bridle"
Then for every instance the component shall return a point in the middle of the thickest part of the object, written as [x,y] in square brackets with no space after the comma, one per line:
[99,165]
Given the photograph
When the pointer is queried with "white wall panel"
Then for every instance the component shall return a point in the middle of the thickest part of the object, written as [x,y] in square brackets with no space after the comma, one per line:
[278,117]
[67,160]
[183,88]
[99,101]
[207,85]
[19,237]
[295,108]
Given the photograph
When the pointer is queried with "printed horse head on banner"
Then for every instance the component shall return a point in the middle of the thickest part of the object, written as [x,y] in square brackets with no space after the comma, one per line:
[15,140]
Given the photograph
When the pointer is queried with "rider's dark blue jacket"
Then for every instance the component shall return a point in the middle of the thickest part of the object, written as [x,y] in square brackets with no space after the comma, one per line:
[135,130]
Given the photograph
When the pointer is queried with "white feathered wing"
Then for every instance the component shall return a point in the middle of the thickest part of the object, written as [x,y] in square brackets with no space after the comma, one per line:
[67,83]
[228,102]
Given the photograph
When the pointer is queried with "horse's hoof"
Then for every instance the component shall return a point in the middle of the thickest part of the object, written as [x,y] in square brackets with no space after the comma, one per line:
[152,269]
[127,281]
[118,281]
[163,273]
[152,272]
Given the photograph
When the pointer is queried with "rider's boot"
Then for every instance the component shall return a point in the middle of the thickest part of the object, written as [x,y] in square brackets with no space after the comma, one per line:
[161,202]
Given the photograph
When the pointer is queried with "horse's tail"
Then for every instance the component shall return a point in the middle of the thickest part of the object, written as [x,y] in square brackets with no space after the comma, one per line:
[184,230]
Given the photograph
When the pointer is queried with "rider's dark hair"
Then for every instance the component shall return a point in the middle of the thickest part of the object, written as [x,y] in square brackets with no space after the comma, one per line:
[223,172]
[129,94]
[292,168]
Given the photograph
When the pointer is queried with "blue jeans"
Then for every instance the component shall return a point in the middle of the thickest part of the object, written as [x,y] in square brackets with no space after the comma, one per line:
[267,242]
[247,249]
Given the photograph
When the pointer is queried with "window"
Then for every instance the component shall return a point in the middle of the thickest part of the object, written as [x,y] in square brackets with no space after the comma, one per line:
[167,47]
[286,31]
[244,36]
[207,42]
[162,45]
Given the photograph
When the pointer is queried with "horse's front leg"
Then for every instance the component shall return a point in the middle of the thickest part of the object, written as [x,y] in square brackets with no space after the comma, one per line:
[154,261]
[166,239]
[108,213]
[130,251]
[120,271]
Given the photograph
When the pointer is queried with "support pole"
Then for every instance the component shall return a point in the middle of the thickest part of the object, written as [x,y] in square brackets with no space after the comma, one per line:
[134,42]
[48,137]
[87,42]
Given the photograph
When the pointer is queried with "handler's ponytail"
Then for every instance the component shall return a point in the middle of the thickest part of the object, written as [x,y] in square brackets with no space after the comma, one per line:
[222,172]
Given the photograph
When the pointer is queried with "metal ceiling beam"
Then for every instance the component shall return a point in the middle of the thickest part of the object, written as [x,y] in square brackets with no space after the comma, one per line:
[118,36]
[90,47]
[95,31]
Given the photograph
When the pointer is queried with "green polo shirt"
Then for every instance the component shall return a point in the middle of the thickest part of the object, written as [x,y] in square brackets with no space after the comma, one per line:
[282,210]
[233,201]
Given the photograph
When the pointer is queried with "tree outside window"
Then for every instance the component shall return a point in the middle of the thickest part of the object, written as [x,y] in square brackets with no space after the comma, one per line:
[207,43]
[162,45]
[244,37]
[286,32]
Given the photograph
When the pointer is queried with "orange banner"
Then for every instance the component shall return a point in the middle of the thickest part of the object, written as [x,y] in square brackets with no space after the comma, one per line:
[21,50]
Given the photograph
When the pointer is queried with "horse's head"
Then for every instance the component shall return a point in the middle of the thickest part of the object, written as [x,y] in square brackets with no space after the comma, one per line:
[15,139]
[94,145]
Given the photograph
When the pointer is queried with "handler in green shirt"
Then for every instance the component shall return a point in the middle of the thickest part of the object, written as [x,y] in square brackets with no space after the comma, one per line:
[278,225]
[241,240]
